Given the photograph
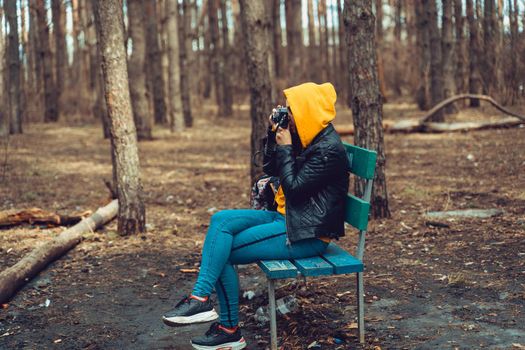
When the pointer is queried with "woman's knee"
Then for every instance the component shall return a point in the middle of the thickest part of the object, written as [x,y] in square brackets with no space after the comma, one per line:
[221,216]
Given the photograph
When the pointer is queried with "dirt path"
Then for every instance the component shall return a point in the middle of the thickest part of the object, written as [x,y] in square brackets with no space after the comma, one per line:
[461,286]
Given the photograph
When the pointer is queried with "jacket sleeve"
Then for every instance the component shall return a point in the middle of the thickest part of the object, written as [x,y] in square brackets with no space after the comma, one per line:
[269,153]
[313,174]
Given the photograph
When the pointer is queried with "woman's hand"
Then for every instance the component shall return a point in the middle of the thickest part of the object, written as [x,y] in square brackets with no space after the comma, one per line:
[283,137]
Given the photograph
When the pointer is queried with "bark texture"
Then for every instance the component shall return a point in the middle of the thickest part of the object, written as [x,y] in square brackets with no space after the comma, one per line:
[137,70]
[447,49]
[474,79]
[186,61]
[175,98]
[367,106]
[255,21]
[14,115]
[50,93]
[226,55]
[155,78]
[59,24]
[215,59]
[436,69]
[423,54]
[109,22]
[294,40]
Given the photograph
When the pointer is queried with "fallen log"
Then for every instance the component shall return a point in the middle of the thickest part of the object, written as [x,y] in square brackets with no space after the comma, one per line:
[14,217]
[16,276]
[455,98]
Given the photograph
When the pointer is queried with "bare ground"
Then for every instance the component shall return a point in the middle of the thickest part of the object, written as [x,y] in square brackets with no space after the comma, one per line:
[461,286]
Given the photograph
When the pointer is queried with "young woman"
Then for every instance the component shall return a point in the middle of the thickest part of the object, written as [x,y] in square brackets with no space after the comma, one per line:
[312,166]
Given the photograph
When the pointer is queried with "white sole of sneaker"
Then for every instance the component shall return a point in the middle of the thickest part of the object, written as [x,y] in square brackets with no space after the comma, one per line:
[238,345]
[198,318]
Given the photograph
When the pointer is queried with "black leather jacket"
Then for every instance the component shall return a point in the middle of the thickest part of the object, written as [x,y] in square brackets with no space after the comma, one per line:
[315,184]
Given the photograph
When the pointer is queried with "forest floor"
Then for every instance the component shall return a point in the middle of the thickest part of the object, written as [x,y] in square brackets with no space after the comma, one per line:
[461,286]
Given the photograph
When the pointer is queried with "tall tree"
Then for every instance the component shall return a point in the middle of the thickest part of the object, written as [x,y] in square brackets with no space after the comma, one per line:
[294,40]
[175,98]
[186,60]
[4,115]
[154,66]
[367,106]
[447,49]
[137,70]
[50,93]
[397,81]
[13,68]
[277,37]
[323,40]
[423,53]
[254,20]
[110,29]
[312,45]
[436,68]
[460,49]
[379,40]
[343,56]
[474,79]
[59,23]
[215,56]
[227,97]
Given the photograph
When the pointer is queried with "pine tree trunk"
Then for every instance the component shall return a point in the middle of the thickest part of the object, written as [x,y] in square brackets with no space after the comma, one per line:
[294,40]
[175,98]
[50,93]
[254,20]
[277,38]
[154,66]
[474,79]
[461,60]
[59,23]
[367,106]
[343,56]
[207,61]
[215,59]
[397,47]
[313,48]
[227,98]
[186,57]
[14,115]
[137,70]
[514,69]
[379,33]
[323,45]
[436,68]
[4,112]
[449,82]
[109,22]
[423,49]
[334,72]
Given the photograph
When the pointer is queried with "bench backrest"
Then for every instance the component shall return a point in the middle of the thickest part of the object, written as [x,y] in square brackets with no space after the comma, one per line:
[362,164]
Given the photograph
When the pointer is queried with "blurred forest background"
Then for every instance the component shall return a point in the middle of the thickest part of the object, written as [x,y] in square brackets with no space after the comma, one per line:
[87,87]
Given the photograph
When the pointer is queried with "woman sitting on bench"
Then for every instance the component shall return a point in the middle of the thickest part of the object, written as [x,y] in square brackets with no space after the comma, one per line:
[310,161]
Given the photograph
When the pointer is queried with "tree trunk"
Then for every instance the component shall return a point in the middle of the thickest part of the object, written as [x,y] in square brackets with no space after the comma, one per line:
[186,57]
[154,71]
[334,72]
[323,42]
[137,70]
[207,66]
[397,47]
[13,68]
[436,68]
[50,93]
[313,49]
[294,42]
[461,60]
[277,38]
[109,22]
[449,82]
[343,56]
[59,23]
[379,47]
[474,79]
[367,106]
[175,98]
[254,21]
[423,49]
[4,115]
[215,60]
[514,69]
[226,57]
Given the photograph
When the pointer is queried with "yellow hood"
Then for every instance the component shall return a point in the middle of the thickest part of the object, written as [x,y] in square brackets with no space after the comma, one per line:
[313,108]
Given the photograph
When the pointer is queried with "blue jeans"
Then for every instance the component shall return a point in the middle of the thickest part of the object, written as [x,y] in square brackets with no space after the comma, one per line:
[244,236]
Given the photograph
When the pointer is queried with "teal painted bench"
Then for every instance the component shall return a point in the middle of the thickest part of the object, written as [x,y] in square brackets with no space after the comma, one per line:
[335,260]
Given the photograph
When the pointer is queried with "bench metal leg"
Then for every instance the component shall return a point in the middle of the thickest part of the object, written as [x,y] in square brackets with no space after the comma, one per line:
[360,307]
[272,310]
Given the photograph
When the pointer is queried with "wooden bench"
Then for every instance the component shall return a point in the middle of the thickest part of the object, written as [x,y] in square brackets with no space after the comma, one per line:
[335,260]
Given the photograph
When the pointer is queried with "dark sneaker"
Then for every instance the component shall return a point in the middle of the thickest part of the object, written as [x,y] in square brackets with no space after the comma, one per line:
[218,339]
[190,310]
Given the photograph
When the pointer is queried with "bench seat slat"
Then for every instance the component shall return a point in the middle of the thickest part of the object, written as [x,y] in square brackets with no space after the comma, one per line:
[342,261]
[276,269]
[315,266]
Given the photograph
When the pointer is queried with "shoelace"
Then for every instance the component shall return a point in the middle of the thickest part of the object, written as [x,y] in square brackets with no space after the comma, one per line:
[213,329]
[185,299]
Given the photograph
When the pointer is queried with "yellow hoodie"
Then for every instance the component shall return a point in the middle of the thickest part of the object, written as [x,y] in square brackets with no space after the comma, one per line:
[313,108]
